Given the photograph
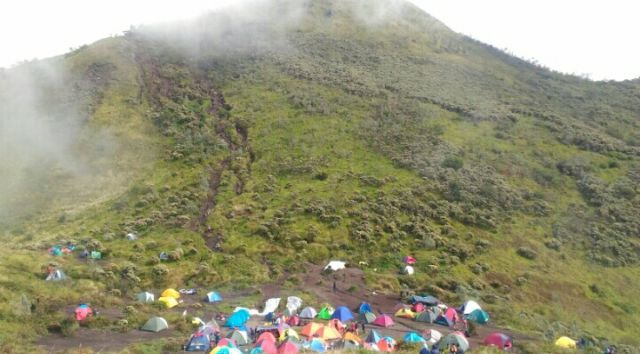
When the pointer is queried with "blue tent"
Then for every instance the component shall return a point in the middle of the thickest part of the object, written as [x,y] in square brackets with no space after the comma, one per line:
[413,337]
[238,319]
[198,343]
[443,320]
[364,308]
[270,317]
[343,314]
[317,346]
[213,297]
[373,337]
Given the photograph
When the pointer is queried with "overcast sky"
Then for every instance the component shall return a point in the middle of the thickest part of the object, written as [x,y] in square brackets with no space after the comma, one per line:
[597,38]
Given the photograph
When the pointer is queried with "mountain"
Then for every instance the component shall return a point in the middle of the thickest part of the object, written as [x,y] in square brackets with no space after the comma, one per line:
[254,144]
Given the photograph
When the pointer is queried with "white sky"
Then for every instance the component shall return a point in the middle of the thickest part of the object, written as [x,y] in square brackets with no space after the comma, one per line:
[594,37]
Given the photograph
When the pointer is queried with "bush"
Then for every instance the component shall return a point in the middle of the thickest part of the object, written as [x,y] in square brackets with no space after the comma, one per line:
[527,253]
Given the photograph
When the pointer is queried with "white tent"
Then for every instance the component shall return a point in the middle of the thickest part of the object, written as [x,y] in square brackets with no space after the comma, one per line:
[470,306]
[56,275]
[145,297]
[308,312]
[131,236]
[408,270]
[432,336]
[335,265]
[293,304]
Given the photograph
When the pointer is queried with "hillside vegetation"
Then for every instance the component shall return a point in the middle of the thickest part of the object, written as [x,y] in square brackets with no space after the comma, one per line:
[246,144]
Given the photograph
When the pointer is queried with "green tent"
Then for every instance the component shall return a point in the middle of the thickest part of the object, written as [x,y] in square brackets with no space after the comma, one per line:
[367,317]
[478,316]
[427,316]
[155,324]
[240,337]
[96,255]
[325,313]
[145,297]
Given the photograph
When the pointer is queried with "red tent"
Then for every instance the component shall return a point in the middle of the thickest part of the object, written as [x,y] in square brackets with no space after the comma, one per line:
[288,348]
[409,260]
[266,336]
[267,346]
[499,340]
[82,312]
[294,321]
[383,320]
[384,346]
[451,314]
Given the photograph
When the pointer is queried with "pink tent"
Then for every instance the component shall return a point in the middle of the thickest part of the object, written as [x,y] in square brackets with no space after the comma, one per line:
[451,314]
[409,260]
[383,320]
[83,312]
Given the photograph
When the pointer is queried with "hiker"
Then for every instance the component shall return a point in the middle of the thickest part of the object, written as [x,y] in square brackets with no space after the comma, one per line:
[610,350]
[217,337]
[363,324]
[335,287]
[467,331]
[453,349]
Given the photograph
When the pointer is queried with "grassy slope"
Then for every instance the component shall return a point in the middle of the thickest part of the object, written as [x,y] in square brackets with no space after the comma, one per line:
[310,183]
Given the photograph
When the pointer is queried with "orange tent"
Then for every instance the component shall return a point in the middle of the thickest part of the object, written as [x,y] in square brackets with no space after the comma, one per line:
[352,337]
[384,346]
[310,329]
[328,333]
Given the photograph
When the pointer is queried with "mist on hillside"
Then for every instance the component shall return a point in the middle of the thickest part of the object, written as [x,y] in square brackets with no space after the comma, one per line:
[43,146]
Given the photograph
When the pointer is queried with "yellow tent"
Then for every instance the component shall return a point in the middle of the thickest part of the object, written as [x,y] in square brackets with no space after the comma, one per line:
[406,313]
[352,337]
[566,342]
[169,302]
[328,333]
[170,293]
[289,333]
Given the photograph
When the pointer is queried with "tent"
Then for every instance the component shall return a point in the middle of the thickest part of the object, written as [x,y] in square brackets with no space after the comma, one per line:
[213,297]
[170,293]
[451,314]
[335,266]
[310,329]
[408,270]
[288,347]
[427,316]
[145,297]
[364,307]
[227,342]
[444,320]
[469,307]
[266,336]
[82,312]
[343,314]
[289,333]
[327,333]
[325,313]
[240,337]
[293,304]
[131,236]
[155,324]
[226,350]
[95,255]
[383,320]
[478,316]
[238,318]
[373,337]
[566,342]
[418,307]
[294,321]
[405,313]
[413,337]
[352,337]
[432,336]
[409,260]
[267,347]
[317,345]
[367,317]
[308,312]
[56,275]
[499,340]
[384,345]
[198,342]
[169,302]
[454,338]
[426,300]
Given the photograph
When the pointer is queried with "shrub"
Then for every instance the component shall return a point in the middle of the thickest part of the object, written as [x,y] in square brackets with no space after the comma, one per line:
[527,253]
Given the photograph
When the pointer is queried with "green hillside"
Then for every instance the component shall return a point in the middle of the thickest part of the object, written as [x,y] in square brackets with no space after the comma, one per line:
[248,145]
